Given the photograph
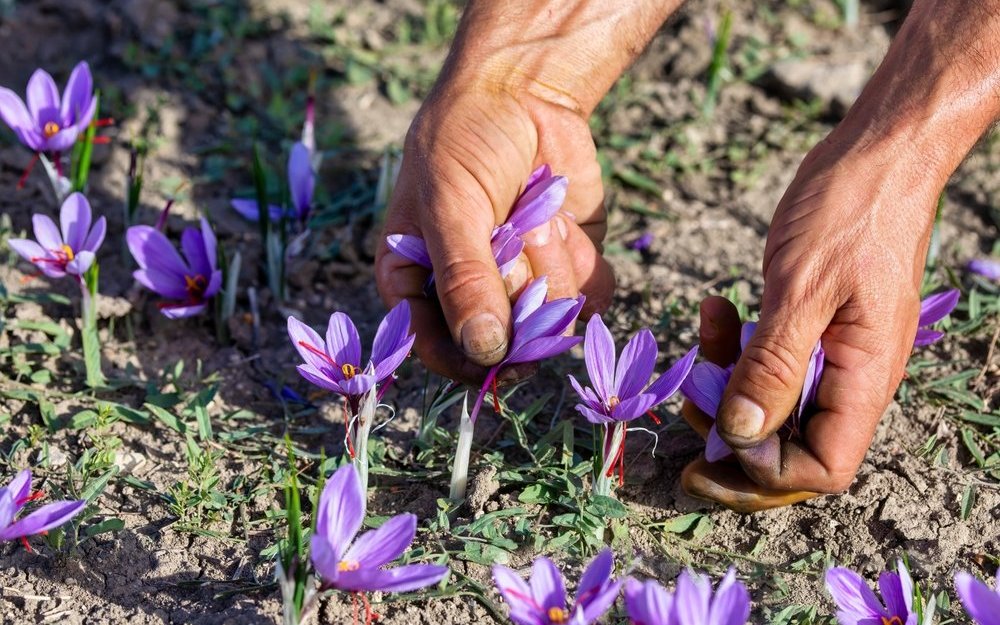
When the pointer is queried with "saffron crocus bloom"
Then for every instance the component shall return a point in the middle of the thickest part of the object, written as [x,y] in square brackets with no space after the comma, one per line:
[542,197]
[934,308]
[858,605]
[623,392]
[69,249]
[539,331]
[542,600]
[642,243]
[335,364]
[188,283]
[692,603]
[354,563]
[16,495]
[48,123]
[986,267]
[301,185]
[981,603]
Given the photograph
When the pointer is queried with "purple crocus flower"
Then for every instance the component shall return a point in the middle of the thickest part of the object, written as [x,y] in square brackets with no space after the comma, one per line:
[542,197]
[623,392]
[642,243]
[301,185]
[648,603]
[539,331]
[188,282]
[16,495]
[66,250]
[692,603]
[354,563]
[934,308]
[336,365]
[542,600]
[858,605]
[986,267]
[981,603]
[48,123]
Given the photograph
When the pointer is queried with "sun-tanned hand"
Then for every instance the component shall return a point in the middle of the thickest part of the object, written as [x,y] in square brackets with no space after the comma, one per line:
[844,255]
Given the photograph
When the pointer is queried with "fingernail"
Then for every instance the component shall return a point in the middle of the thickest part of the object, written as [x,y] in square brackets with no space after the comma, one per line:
[561,226]
[743,418]
[539,236]
[484,339]
[517,277]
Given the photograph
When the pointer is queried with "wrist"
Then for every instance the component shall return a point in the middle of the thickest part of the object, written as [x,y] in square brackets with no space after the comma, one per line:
[567,53]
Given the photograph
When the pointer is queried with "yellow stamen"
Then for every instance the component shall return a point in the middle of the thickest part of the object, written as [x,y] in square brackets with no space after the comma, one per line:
[68,251]
[558,615]
[195,285]
[613,402]
[349,371]
[892,621]
[348,565]
[51,129]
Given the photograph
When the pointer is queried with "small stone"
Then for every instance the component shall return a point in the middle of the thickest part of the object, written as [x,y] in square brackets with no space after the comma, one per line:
[129,461]
[836,85]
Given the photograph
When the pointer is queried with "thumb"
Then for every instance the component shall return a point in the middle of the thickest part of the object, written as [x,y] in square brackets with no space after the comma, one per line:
[768,378]
[471,292]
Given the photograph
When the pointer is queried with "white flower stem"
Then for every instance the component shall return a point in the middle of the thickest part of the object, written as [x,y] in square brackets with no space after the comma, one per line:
[88,328]
[460,470]
[61,185]
[611,444]
[362,427]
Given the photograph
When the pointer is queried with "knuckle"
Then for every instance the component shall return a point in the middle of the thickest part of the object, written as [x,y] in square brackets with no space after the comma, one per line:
[839,481]
[771,364]
[461,282]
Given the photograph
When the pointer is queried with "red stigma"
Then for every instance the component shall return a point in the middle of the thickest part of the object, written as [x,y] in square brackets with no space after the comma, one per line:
[496,398]
[318,352]
[27,171]
[655,418]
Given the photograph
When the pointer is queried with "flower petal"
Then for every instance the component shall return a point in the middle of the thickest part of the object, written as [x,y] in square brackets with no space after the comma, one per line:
[20,488]
[635,365]
[75,217]
[596,576]
[891,588]
[715,448]
[249,210]
[981,603]
[538,204]
[302,335]
[384,544]
[80,263]
[409,247]
[13,111]
[531,298]
[165,284]
[96,237]
[181,311]
[593,414]
[586,394]
[320,379]
[517,594]
[193,246]
[731,604]
[27,249]
[691,599]
[42,96]
[341,508]
[547,585]
[392,340]
[399,579]
[648,603]
[814,372]
[633,407]
[853,596]
[541,349]
[45,518]
[211,245]
[342,341]
[358,385]
[77,95]
[301,179]
[541,173]
[151,249]
[668,383]
[601,603]
[705,386]
[214,284]
[926,337]
[986,267]
[63,140]
[599,354]
[746,333]
[936,307]
[325,558]
[46,232]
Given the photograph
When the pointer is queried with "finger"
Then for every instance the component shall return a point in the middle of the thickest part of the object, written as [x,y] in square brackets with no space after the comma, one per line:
[698,420]
[719,331]
[594,276]
[545,248]
[726,484]
[469,287]
[768,378]
[398,279]
[857,385]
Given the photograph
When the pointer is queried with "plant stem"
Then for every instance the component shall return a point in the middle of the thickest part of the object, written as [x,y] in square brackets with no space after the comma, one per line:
[88,319]
[460,470]
[362,427]
[612,440]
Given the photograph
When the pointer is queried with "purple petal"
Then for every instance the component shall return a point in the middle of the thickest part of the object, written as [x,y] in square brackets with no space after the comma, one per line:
[325,558]
[78,95]
[399,579]
[249,210]
[547,585]
[731,604]
[586,394]
[214,284]
[633,407]
[8,508]
[80,263]
[506,247]
[45,518]
[926,337]
[986,267]
[668,383]
[27,249]
[892,594]
[981,603]
[905,585]
[530,300]
[599,354]
[600,604]
[180,311]
[810,385]
[341,508]
[539,203]
[358,385]
[320,379]
[63,140]
[14,113]
[211,246]
[193,246]
[342,341]
[517,594]
[648,603]
[409,247]
[96,237]
[551,319]
[691,599]
[541,173]
[853,596]
[541,349]
[705,386]
[301,179]
[746,333]
[46,232]
[301,335]
[166,284]
[383,545]
[635,365]
[20,487]
[152,250]
[595,577]
[715,448]
[392,340]
[594,414]
[43,98]
[934,308]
